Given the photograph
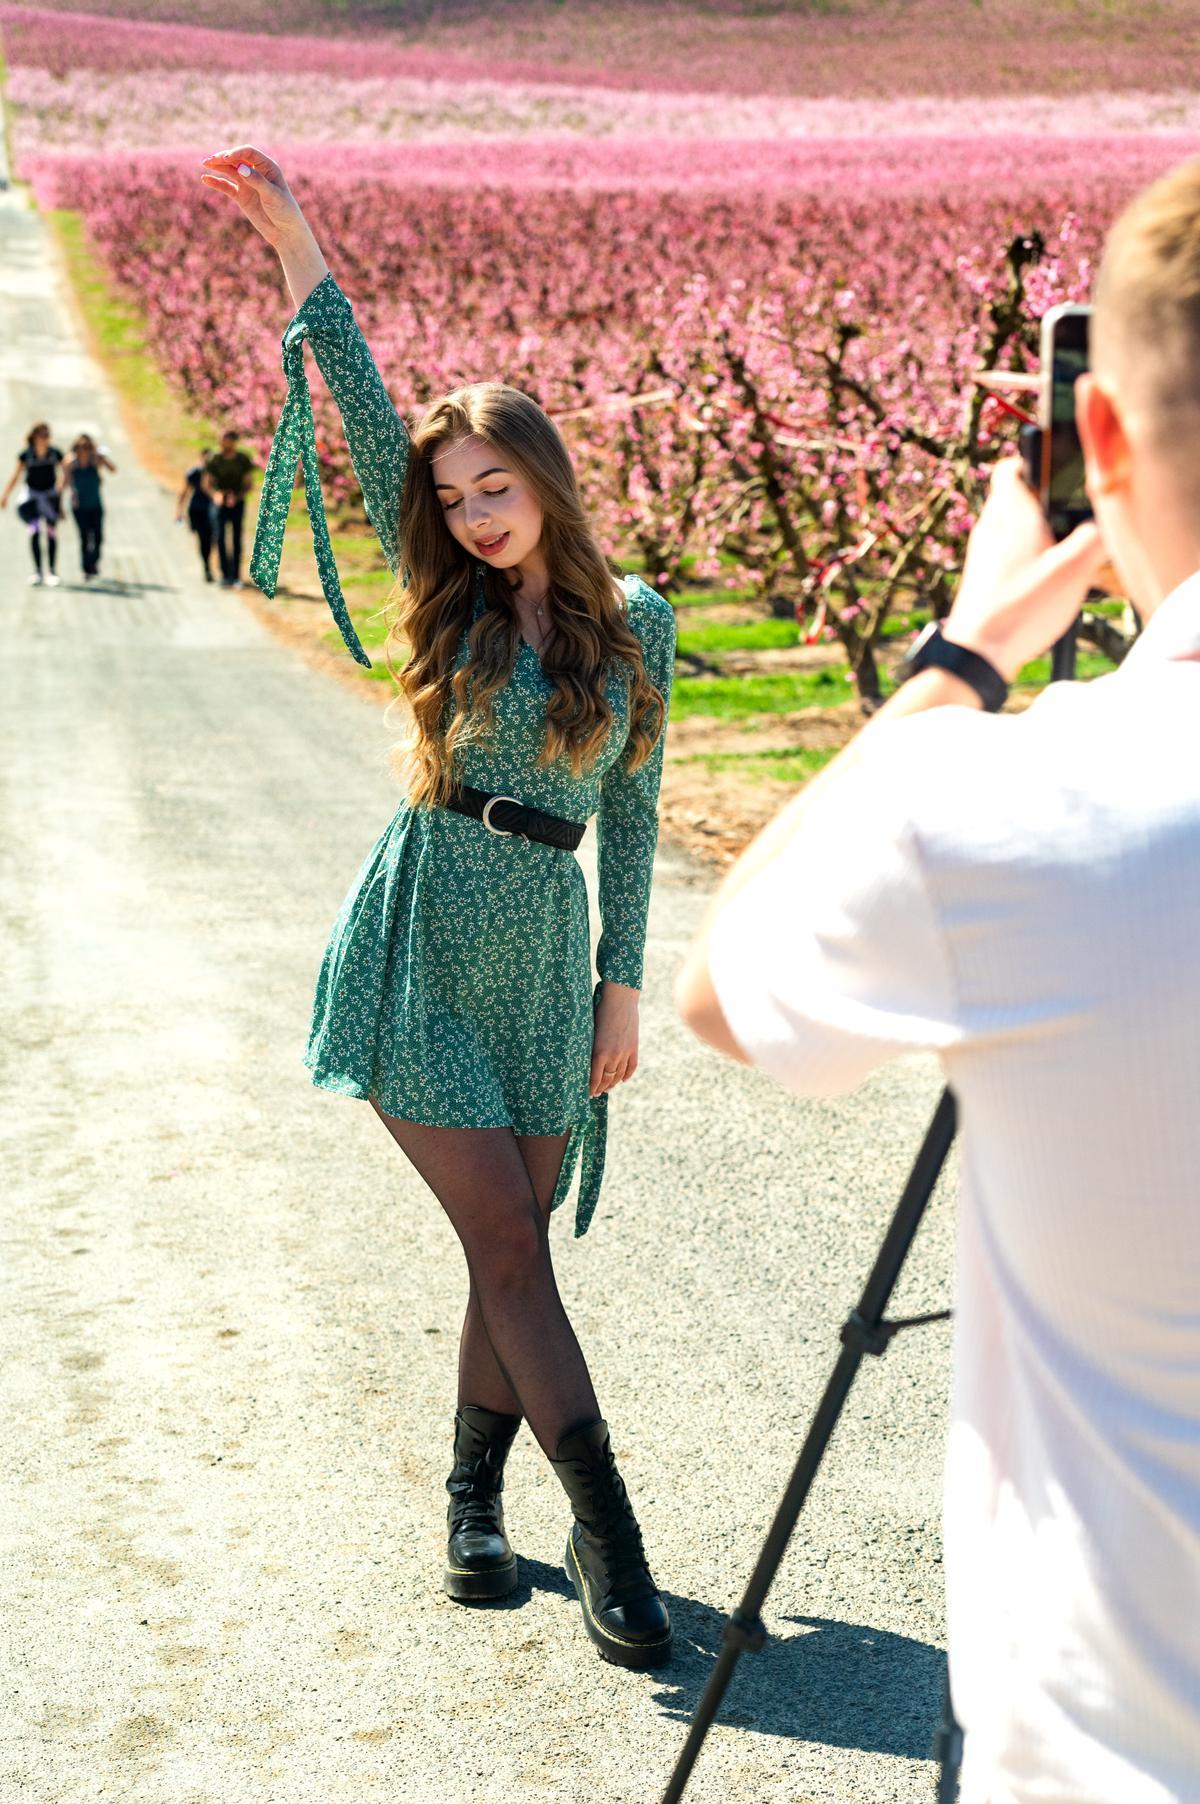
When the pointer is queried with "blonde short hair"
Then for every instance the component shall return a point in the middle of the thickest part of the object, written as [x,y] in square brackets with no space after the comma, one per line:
[1146,320]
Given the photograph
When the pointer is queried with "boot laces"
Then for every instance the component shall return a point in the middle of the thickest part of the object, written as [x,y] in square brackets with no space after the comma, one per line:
[474,1488]
[612,1521]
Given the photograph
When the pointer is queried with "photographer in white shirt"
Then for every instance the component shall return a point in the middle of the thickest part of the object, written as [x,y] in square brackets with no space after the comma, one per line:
[1021,894]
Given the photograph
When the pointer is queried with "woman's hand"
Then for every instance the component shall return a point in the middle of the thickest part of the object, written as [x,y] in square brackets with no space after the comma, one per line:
[256,182]
[257,185]
[614,1037]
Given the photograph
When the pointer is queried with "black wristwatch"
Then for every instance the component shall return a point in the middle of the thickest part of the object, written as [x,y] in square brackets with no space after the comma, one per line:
[931,650]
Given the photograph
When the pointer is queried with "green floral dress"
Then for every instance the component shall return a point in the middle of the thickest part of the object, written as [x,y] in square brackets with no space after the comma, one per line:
[456,988]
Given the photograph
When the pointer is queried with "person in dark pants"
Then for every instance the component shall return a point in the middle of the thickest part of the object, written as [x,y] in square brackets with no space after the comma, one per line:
[472,981]
[37,471]
[197,495]
[229,472]
[82,472]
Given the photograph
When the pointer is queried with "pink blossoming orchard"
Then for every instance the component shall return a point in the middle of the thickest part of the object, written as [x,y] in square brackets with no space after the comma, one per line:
[868,49]
[755,315]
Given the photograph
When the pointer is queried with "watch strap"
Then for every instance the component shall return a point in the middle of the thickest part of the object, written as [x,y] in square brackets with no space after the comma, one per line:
[933,651]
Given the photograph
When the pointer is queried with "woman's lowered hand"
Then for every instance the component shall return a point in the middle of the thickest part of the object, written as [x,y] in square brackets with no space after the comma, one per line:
[614,1037]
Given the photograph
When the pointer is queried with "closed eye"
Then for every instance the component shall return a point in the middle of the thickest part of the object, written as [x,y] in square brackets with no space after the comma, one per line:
[488,492]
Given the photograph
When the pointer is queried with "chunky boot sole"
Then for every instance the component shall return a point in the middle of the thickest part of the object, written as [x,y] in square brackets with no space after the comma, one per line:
[637,1656]
[467,1587]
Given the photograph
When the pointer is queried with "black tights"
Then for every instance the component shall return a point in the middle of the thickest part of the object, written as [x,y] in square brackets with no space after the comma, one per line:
[35,540]
[518,1353]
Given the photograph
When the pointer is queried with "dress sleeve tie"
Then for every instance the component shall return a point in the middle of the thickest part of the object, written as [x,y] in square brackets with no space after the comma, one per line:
[295,438]
[587,1143]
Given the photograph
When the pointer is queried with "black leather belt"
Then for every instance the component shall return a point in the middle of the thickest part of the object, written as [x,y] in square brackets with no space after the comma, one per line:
[506,816]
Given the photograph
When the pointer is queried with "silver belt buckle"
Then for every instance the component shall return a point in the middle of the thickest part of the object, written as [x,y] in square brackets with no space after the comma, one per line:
[501,832]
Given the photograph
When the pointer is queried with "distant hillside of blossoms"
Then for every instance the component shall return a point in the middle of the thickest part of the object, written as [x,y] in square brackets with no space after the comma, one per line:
[873,49]
[756,139]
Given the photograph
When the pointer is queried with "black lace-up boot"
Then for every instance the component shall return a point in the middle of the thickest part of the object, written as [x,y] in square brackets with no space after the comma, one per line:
[606,1563]
[480,1564]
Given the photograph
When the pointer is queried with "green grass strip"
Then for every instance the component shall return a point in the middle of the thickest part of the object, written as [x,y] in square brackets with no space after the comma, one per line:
[712,598]
[1088,664]
[757,635]
[371,628]
[737,698]
[794,764]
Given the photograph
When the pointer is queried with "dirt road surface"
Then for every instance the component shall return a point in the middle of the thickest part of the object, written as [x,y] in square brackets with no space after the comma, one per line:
[230,1310]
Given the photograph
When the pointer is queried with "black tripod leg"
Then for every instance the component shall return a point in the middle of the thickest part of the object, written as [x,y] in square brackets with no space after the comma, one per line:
[861,1334]
[1062,656]
[947,1750]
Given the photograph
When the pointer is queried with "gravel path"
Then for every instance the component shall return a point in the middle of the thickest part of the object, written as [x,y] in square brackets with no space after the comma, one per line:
[231,1310]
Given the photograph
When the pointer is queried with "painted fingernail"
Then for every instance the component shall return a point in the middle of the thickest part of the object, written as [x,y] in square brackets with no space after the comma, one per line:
[245,169]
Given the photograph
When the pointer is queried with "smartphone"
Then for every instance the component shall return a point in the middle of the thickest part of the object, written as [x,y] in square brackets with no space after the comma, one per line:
[1064,359]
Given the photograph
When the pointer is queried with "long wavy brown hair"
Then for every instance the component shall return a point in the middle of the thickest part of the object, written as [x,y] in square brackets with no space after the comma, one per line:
[432,603]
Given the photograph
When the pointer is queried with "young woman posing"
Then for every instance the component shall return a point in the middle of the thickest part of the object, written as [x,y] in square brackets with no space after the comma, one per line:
[82,472]
[456,990]
[38,470]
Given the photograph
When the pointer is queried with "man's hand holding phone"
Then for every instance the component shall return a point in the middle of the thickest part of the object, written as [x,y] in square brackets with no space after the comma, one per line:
[1020,591]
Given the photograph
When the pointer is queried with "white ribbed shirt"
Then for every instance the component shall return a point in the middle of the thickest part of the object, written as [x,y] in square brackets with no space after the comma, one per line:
[1021,894]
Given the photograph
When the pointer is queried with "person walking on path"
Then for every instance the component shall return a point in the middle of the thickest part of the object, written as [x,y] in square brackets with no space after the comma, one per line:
[39,502]
[82,471]
[455,993]
[197,495]
[229,472]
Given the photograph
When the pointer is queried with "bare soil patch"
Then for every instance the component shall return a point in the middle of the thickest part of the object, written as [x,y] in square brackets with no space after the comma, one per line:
[714,814]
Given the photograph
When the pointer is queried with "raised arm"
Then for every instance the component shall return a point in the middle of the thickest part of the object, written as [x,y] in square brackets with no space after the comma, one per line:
[627,820]
[10,485]
[376,434]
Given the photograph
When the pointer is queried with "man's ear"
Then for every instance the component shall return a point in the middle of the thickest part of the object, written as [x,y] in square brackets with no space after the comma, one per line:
[1102,434]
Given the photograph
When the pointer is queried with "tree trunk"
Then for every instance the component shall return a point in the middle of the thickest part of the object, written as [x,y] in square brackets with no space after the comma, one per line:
[866,676]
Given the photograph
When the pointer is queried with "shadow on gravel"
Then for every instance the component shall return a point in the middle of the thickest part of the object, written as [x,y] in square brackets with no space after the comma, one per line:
[116,585]
[841,1684]
[535,1575]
